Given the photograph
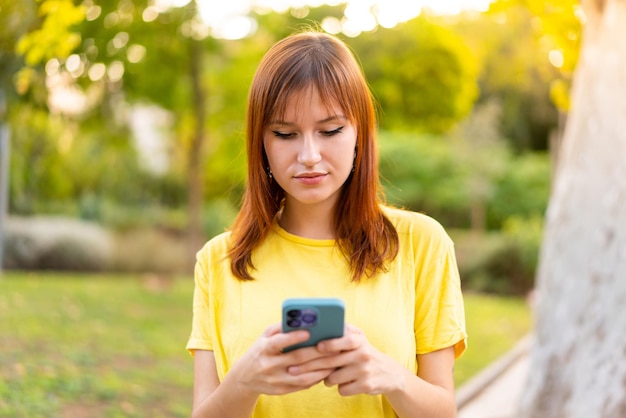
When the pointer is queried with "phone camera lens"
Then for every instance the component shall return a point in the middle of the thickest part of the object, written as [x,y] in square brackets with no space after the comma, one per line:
[293,313]
[309,318]
[298,318]
[294,323]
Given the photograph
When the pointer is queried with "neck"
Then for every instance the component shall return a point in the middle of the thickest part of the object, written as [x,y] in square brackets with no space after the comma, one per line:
[307,221]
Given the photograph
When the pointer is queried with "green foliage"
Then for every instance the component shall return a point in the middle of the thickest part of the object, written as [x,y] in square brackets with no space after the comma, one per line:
[228,80]
[481,156]
[422,73]
[419,172]
[55,38]
[447,177]
[34,32]
[153,56]
[218,215]
[493,263]
[514,69]
[16,18]
[36,161]
[113,63]
[557,25]
[522,190]
[50,164]
[502,262]
[527,234]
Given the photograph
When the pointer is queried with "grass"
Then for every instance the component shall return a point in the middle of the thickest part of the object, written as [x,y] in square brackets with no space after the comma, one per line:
[79,346]
[85,346]
[494,325]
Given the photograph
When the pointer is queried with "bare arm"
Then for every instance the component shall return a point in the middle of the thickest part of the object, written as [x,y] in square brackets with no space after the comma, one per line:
[262,370]
[359,368]
[431,392]
[210,399]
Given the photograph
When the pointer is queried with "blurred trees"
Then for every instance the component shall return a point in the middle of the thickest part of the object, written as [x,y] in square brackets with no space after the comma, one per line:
[528,49]
[130,113]
[119,54]
[422,74]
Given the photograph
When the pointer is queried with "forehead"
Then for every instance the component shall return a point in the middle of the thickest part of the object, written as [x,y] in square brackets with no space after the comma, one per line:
[305,103]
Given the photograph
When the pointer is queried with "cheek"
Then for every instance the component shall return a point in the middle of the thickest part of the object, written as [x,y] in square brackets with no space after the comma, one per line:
[348,152]
[279,158]
[348,160]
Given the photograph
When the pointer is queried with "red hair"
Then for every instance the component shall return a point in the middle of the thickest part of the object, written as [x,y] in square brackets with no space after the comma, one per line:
[312,59]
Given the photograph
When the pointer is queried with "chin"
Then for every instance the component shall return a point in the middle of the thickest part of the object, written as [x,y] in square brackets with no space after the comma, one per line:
[311,200]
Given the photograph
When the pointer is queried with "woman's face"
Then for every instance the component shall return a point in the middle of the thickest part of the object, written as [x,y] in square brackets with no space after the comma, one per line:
[310,150]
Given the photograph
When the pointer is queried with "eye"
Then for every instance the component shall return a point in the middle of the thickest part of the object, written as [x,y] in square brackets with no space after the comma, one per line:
[283,135]
[333,132]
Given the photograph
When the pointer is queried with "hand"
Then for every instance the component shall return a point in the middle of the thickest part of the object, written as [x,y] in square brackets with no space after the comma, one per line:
[357,367]
[264,367]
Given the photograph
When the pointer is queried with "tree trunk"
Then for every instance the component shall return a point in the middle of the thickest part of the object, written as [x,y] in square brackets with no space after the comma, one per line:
[478,216]
[195,174]
[5,160]
[578,361]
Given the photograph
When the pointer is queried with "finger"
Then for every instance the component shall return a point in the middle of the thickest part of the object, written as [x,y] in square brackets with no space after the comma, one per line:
[328,362]
[305,360]
[282,340]
[304,355]
[301,382]
[349,389]
[339,376]
[310,378]
[350,341]
[352,329]
[272,330]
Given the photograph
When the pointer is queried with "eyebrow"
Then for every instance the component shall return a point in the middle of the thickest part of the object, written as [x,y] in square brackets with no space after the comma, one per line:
[326,120]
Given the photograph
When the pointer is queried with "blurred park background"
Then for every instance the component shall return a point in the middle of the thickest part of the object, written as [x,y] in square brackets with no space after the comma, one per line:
[122,132]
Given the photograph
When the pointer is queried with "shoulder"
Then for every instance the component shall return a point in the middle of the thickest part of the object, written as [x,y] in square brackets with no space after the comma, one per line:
[419,235]
[212,259]
[216,247]
[414,223]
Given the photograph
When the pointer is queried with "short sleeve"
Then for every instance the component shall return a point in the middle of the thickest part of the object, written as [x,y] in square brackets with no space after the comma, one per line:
[200,338]
[439,311]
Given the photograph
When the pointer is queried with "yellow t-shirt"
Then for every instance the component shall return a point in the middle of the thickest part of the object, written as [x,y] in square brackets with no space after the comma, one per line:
[414,308]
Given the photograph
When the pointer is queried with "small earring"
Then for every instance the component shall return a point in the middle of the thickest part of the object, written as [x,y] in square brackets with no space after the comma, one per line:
[269,173]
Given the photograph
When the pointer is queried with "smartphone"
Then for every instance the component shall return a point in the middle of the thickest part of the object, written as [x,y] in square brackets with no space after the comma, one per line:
[322,317]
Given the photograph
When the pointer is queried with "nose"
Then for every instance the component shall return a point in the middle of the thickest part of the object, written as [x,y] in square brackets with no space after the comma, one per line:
[309,153]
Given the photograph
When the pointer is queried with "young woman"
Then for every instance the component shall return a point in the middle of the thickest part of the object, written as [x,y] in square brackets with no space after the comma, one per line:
[313,224]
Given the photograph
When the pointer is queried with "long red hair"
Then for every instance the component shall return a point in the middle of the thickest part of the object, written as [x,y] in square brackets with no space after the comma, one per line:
[314,59]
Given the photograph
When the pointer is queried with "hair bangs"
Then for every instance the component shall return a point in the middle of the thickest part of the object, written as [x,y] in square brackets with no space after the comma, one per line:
[311,70]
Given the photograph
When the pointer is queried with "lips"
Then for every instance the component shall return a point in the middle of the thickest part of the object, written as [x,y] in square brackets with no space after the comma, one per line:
[310,178]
